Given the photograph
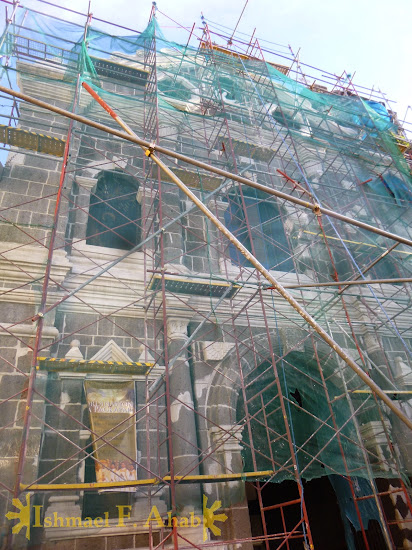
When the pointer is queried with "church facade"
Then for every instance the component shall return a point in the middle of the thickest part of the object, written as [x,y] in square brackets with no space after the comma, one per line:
[147,370]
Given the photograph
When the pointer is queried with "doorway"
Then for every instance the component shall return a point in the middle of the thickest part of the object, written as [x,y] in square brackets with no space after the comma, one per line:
[324,515]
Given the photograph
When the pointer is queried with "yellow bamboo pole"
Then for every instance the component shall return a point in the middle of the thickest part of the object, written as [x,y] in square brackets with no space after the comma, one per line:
[317,209]
[205,478]
[150,152]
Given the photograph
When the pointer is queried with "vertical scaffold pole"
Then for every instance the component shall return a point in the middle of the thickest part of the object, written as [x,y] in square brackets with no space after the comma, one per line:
[43,300]
[150,152]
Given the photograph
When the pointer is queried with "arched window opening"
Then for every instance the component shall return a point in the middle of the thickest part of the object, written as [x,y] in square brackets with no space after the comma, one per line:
[114,213]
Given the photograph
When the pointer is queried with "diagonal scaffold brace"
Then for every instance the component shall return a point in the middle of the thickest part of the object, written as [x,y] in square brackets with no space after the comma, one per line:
[315,208]
[150,152]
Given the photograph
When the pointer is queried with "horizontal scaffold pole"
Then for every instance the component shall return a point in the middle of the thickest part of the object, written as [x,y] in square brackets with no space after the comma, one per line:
[150,152]
[316,208]
[205,478]
[349,283]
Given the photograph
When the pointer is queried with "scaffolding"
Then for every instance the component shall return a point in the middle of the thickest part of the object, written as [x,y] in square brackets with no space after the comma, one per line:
[206,267]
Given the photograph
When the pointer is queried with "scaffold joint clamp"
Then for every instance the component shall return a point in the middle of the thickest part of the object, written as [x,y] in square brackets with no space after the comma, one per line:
[38,316]
[150,150]
[316,210]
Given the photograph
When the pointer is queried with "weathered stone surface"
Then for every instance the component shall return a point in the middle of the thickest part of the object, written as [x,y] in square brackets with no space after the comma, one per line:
[11,384]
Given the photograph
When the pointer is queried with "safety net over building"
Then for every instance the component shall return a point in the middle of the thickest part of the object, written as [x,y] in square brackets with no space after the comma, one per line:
[205,325]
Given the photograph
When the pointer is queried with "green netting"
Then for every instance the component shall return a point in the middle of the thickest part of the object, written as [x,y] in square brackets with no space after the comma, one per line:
[351,125]
[245,115]
[324,437]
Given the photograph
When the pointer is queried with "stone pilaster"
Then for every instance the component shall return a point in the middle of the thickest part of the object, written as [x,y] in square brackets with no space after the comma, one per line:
[184,438]
[217,240]
[146,196]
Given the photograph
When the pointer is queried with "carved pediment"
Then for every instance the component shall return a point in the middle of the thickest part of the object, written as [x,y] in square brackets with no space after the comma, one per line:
[111,352]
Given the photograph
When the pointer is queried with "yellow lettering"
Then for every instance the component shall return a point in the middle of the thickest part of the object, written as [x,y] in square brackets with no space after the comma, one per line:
[184,522]
[156,517]
[106,519]
[48,521]
[88,522]
[58,520]
[37,517]
[122,514]
[71,522]
[98,522]
[195,521]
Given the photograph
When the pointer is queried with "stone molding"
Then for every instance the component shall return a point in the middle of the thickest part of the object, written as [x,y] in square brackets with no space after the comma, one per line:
[373,433]
[28,330]
[145,193]
[216,351]
[403,373]
[154,374]
[177,328]
[226,437]
[28,263]
[218,207]
[85,182]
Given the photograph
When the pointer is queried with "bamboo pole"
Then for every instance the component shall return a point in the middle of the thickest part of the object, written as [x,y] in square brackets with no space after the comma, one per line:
[149,151]
[316,209]
[204,478]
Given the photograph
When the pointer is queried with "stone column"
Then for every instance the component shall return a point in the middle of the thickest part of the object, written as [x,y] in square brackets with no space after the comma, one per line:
[173,238]
[81,196]
[376,356]
[305,251]
[217,240]
[400,434]
[184,440]
[226,440]
[401,374]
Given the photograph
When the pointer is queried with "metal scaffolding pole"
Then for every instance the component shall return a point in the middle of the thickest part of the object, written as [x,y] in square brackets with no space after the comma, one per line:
[44,294]
[276,285]
[315,208]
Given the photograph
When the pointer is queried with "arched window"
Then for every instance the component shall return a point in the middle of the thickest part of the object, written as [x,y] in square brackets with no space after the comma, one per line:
[114,213]
[308,415]
[269,240]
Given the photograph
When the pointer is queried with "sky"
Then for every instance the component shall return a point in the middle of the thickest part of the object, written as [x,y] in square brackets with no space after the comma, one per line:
[369,38]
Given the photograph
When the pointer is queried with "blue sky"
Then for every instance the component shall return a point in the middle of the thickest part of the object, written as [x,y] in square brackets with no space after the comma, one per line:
[371,37]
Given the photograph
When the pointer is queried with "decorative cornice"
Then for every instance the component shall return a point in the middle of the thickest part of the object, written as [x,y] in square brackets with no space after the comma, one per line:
[228,438]
[86,182]
[27,330]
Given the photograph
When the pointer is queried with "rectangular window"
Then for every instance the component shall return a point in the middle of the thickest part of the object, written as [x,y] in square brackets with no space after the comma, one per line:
[266,232]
